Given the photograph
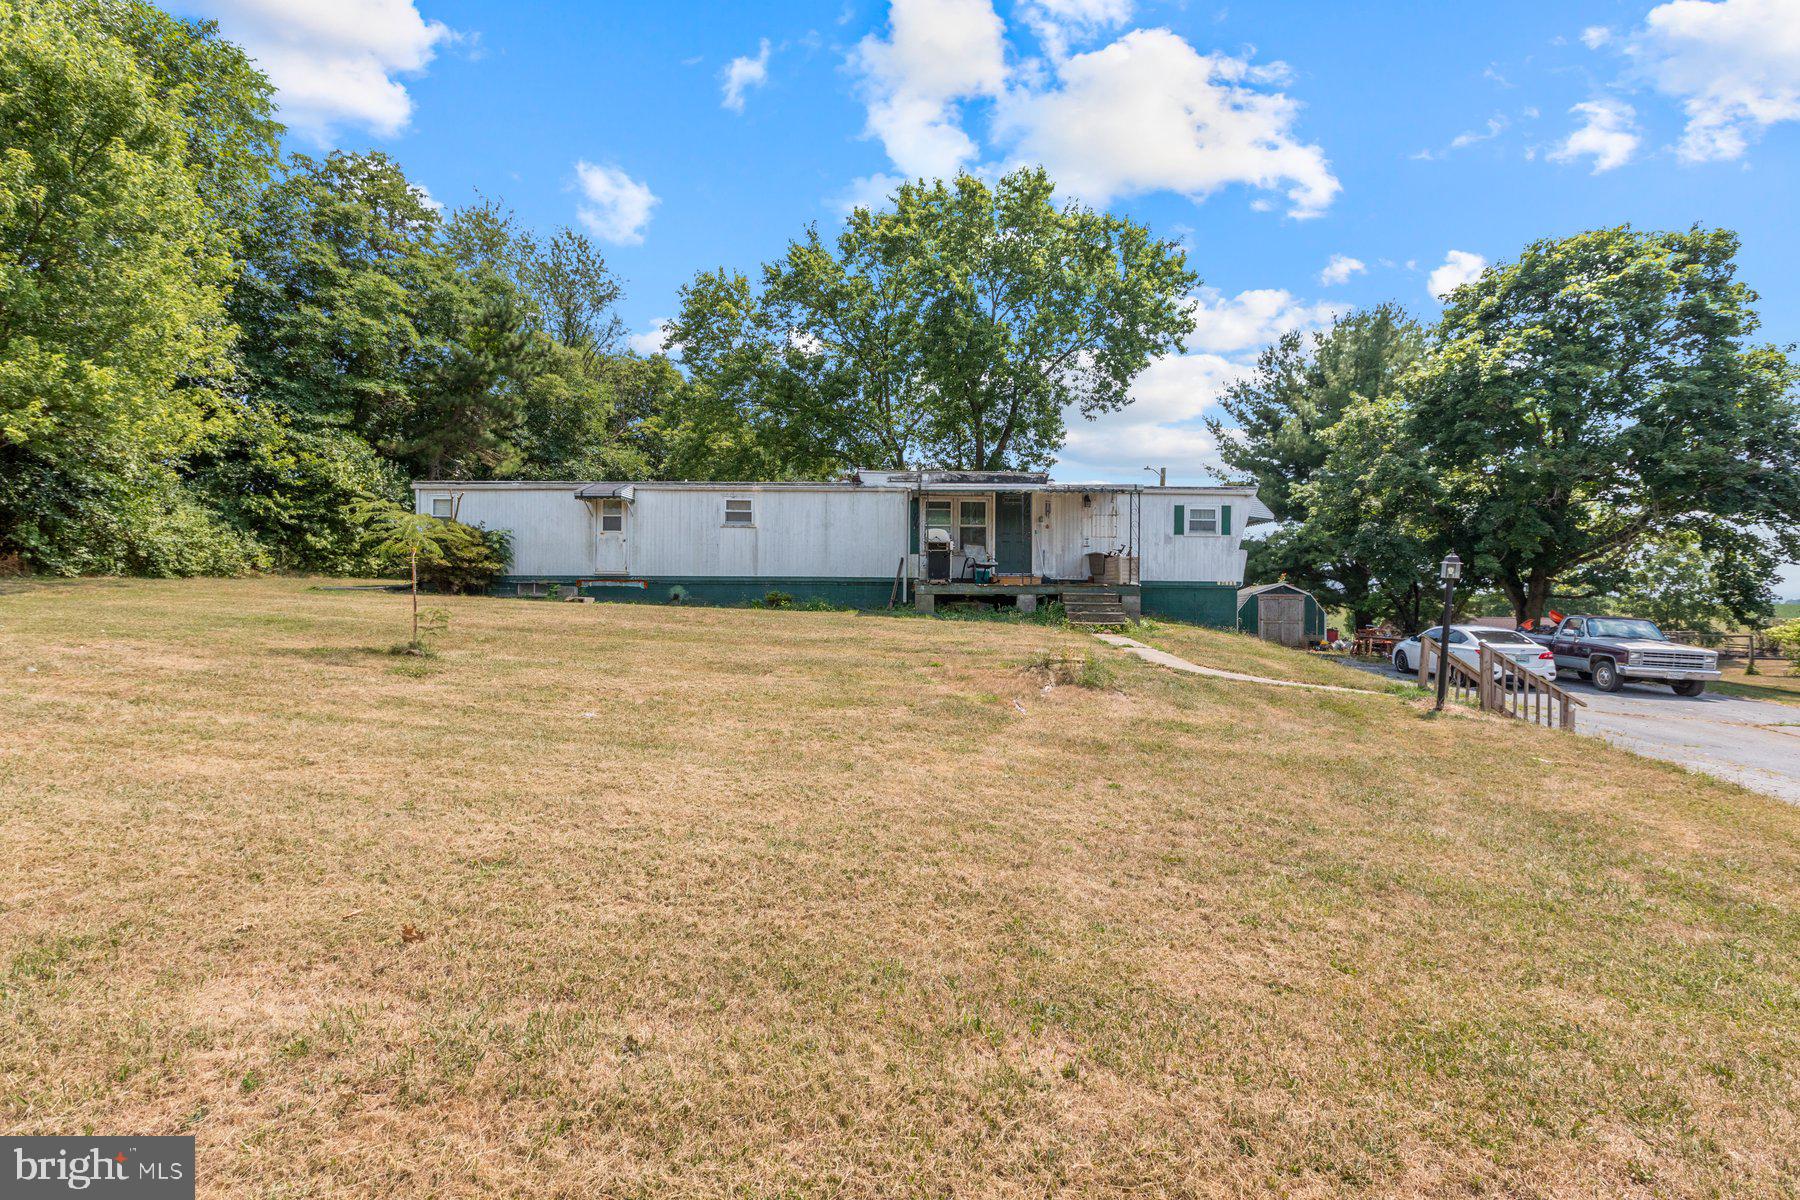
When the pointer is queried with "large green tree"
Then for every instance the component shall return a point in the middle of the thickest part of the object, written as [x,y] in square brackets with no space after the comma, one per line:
[112,284]
[1311,426]
[1601,392]
[955,328]
[342,273]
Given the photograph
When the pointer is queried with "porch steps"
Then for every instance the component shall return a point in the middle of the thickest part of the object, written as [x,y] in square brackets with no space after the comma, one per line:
[1095,608]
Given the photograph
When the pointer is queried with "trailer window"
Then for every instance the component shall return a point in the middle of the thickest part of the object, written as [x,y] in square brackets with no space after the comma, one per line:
[937,514]
[738,512]
[1203,520]
[612,516]
[440,507]
[973,530]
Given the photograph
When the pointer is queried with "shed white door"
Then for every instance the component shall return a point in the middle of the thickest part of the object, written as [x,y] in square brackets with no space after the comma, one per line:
[1281,618]
[611,538]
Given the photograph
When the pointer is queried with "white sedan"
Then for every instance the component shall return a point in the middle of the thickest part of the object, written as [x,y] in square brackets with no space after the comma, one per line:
[1465,646]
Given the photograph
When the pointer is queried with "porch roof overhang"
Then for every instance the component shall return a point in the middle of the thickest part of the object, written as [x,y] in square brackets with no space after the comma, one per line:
[984,488]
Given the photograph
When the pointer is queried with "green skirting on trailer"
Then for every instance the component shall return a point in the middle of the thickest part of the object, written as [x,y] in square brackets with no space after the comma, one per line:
[1199,603]
[709,589]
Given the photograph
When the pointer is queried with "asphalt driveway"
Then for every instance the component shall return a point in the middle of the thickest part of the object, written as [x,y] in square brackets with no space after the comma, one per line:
[1752,742]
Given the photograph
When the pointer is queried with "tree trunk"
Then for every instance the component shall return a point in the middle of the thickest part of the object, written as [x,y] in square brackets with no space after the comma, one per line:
[415,598]
[1515,596]
[1537,595]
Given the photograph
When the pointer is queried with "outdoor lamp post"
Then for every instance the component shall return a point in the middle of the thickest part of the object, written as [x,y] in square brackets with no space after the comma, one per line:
[1450,570]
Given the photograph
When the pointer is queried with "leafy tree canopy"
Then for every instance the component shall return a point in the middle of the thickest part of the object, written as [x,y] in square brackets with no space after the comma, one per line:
[955,328]
[1601,392]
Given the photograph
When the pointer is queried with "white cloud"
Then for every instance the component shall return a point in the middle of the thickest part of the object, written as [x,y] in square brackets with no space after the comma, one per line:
[618,207]
[1734,64]
[1162,426]
[743,73]
[333,62]
[1150,113]
[1058,23]
[650,341]
[1251,319]
[868,191]
[1340,269]
[1145,113]
[1460,267]
[1596,36]
[1608,135]
[937,53]
[1495,126]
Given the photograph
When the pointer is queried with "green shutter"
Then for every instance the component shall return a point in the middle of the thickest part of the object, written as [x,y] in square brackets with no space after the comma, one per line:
[1224,518]
[912,524]
[1180,520]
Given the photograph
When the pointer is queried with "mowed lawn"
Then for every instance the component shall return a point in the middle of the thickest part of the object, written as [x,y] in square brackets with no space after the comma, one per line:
[614,900]
[1775,680]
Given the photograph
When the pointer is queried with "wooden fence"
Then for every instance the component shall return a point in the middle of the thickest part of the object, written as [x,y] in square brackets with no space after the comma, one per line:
[1500,685]
[1731,647]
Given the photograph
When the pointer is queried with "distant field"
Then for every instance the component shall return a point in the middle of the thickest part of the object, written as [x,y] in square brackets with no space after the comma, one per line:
[618,900]
[1787,610]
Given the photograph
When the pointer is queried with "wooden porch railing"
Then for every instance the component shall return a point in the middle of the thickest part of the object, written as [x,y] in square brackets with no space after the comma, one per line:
[1500,685]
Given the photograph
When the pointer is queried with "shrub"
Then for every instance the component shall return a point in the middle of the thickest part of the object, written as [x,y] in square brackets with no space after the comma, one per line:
[1086,671]
[471,560]
[1785,637]
[777,600]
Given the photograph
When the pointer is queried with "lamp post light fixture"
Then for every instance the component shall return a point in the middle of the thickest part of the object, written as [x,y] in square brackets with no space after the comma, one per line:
[1450,570]
[1162,475]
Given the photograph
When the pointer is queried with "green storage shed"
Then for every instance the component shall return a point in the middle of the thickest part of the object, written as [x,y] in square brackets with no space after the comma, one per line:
[1281,612]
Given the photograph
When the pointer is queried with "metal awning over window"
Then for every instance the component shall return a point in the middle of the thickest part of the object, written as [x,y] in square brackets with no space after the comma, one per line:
[607,491]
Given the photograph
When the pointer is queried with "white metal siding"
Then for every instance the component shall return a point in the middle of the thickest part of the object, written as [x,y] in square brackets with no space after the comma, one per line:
[552,531]
[827,534]
[831,532]
[1063,530]
[1192,557]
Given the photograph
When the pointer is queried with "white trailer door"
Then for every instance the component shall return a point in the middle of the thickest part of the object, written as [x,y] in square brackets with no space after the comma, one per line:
[612,538]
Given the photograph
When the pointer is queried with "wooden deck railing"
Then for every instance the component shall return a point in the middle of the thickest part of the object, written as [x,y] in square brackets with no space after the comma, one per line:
[1500,685]
[1464,687]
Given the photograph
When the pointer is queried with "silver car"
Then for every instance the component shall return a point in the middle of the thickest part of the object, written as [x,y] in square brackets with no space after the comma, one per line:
[1465,646]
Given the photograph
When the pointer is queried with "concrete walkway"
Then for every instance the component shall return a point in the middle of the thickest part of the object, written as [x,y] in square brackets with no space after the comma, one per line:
[1163,658]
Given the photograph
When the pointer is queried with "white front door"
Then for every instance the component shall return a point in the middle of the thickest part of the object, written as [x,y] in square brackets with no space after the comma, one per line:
[610,540]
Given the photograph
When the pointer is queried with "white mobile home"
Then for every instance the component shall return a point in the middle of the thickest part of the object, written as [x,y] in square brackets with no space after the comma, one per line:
[867,539]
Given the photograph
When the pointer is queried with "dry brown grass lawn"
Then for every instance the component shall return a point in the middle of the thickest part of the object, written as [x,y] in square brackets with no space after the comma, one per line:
[1229,650]
[729,902]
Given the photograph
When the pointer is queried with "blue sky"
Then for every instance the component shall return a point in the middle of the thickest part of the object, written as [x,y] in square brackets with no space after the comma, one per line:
[1408,143]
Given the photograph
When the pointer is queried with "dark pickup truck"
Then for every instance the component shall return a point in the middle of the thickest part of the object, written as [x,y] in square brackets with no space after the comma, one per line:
[1613,651]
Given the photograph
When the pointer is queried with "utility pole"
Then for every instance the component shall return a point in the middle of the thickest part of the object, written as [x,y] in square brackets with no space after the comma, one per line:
[1162,475]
